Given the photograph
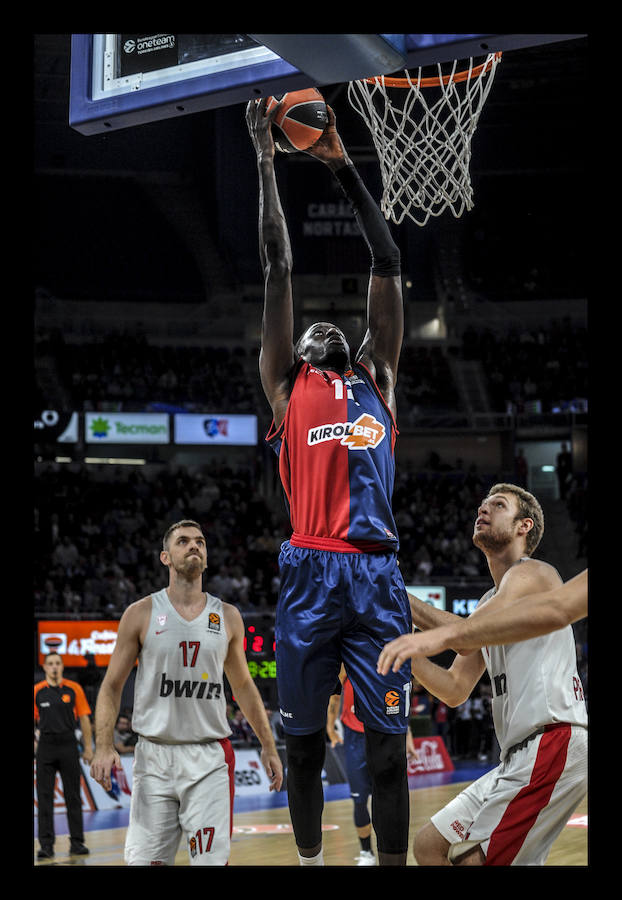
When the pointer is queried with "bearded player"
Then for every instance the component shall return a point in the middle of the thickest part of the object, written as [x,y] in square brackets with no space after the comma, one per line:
[512,814]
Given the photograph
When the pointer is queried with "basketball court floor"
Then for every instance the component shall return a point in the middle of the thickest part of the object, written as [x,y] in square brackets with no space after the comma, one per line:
[262,833]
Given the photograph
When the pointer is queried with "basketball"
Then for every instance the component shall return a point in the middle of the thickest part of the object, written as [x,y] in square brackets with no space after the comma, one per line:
[300,121]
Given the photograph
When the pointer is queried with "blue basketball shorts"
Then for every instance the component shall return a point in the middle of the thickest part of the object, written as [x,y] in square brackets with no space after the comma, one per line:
[333,608]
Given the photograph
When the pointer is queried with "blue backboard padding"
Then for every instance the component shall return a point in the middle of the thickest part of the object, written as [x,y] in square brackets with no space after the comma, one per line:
[148,104]
[237,85]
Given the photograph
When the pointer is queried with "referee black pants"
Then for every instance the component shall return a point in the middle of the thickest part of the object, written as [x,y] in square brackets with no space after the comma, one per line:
[56,754]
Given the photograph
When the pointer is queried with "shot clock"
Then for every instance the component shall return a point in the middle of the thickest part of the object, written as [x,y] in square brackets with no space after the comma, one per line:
[259,647]
[264,669]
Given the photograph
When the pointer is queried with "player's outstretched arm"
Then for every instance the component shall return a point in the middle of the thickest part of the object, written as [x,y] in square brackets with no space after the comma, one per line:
[525,618]
[382,343]
[277,356]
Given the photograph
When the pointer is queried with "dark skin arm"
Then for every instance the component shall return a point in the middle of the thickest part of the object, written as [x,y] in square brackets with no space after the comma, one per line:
[381,346]
[277,358]
[382,343]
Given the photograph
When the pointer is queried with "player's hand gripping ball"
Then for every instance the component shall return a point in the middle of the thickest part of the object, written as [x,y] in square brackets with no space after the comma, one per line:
[300,121]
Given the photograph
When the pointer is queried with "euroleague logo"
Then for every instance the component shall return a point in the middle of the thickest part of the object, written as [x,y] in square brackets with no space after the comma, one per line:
[363,434]
[391,703]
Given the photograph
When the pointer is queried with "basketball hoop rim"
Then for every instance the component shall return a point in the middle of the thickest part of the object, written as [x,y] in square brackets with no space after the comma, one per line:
[436,80]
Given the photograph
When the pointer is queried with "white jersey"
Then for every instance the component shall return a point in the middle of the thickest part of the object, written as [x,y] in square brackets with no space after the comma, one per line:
[534,683]
[179,695]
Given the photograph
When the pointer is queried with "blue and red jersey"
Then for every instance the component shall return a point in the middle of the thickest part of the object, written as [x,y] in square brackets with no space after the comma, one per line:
[336,449]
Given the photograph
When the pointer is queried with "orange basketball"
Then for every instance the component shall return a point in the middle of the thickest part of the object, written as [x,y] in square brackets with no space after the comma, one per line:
[300,121]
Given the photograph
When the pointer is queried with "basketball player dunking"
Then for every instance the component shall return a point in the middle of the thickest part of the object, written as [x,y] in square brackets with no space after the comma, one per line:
[342,596]
[183,777]
[512,814]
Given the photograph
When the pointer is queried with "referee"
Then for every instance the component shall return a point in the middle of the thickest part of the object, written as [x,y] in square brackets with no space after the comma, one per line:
[58,703]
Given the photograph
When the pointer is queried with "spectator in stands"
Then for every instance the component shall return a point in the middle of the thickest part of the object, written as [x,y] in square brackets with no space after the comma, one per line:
[241,731]
[440,719]
[124,739]
[65,554]
[563,470]
[276,724]
[462,729]
[221,584]
[241,585]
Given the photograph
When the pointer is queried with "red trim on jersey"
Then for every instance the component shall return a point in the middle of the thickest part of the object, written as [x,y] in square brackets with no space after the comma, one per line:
[521,814]
[227,747]
[335,545]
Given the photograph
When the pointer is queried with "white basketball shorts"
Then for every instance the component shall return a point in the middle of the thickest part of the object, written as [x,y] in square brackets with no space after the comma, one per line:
[516,811]
[181,789]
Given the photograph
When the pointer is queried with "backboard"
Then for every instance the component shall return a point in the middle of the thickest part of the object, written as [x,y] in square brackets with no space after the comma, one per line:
[123,80]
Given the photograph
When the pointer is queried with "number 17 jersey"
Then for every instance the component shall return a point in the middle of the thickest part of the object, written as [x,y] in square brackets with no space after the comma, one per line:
[179,694]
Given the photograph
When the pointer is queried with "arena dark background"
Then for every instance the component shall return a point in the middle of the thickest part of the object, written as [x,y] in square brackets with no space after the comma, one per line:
[100,236]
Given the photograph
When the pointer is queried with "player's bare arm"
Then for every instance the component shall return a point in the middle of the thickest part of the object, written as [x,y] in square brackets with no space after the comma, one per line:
[380,350]
[524,618]
[521,580]
[276,359]
[332,713]
[426,616]
[524,578]
[248,697]
[87,738]
[453,685]
[130,635]
[428,619]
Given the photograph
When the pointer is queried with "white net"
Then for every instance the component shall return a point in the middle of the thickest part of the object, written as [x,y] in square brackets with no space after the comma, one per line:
[422,134]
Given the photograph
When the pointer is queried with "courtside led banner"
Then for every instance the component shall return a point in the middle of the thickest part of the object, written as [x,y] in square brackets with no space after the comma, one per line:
[54,426]
[126,428]
[250,781]
[214,428]
[73,640]
[432,757]
[434,594]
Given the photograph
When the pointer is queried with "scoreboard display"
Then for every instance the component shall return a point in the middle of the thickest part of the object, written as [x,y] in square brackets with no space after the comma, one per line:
[259,646]
[74,640]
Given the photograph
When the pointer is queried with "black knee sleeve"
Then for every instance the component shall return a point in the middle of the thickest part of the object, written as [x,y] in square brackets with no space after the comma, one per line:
[305,794]
[361,813]
[386,761]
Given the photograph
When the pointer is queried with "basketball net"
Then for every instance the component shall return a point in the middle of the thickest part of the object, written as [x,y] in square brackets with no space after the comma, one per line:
[422,130]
